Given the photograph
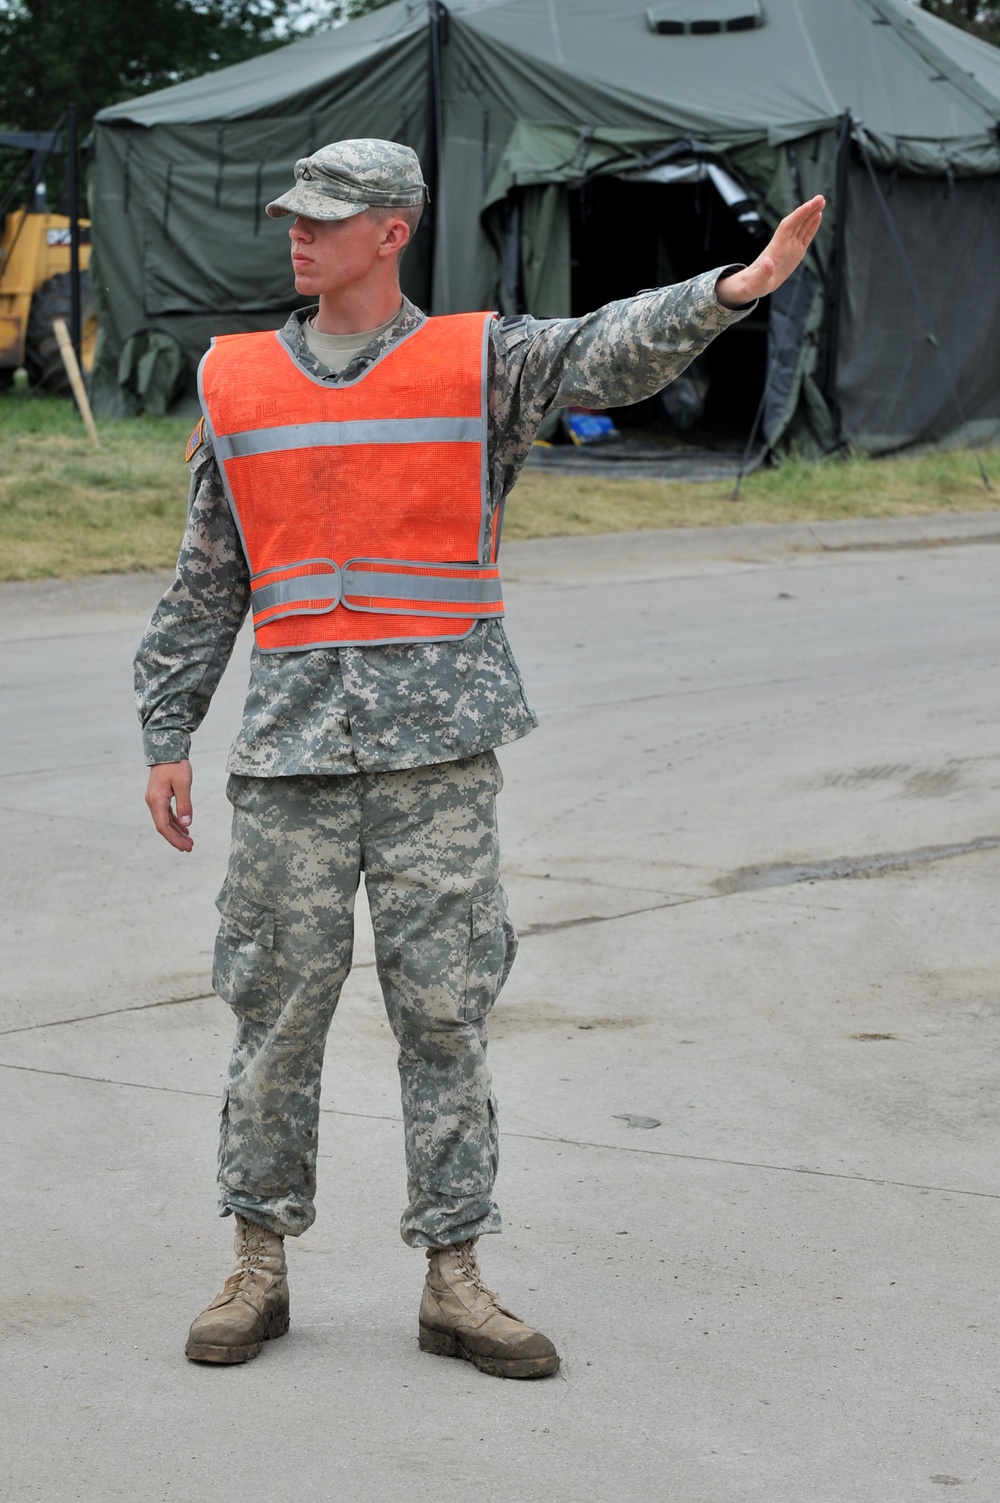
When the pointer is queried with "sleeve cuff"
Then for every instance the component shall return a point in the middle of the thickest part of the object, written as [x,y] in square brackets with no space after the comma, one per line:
[727,271]
[165,746]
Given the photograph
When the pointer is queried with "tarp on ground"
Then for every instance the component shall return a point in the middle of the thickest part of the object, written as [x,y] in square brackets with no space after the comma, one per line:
[889,111]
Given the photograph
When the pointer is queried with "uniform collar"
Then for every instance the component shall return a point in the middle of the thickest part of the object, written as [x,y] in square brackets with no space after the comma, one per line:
[408,319]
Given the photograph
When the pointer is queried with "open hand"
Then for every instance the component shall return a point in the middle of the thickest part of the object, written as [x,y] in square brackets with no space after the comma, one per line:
[168,796]
[778,260]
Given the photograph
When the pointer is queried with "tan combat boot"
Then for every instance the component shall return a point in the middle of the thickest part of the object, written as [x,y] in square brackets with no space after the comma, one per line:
[252,1308]
[461,1317]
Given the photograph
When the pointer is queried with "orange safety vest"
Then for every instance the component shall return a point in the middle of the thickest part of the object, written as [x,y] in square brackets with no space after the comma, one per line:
[364,508]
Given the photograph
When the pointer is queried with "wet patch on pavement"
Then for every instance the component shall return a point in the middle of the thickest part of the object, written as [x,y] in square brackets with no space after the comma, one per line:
[840,868]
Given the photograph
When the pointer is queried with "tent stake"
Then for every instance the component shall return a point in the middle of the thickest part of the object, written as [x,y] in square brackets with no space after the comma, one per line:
[69,359]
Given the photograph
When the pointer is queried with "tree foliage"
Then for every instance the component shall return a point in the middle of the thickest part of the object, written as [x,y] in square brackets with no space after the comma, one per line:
[56,51]
[981,17]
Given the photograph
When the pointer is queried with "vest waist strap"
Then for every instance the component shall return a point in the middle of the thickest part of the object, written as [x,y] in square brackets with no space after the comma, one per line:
[383,586]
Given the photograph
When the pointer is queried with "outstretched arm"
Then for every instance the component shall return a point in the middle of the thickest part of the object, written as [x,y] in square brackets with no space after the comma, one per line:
[777,260]
[627,350]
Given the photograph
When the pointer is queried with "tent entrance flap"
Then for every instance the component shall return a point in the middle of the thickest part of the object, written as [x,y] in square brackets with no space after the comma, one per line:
[652,229]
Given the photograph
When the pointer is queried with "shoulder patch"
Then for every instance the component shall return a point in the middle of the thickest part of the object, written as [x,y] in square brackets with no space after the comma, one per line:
[511,331]
[196,440]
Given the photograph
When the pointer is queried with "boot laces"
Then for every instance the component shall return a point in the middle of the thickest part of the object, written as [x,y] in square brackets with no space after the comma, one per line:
[251,1253]
[469,1265]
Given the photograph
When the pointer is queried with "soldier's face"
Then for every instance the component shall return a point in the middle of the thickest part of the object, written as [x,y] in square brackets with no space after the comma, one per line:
[330,255]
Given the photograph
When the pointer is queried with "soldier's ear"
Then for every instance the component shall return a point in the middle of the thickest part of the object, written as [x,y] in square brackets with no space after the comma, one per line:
[395,237]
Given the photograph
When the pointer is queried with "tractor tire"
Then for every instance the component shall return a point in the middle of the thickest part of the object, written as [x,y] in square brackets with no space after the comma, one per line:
[42,359]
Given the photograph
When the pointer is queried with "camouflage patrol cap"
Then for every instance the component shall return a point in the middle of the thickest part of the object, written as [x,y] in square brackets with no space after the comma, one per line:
[348,177]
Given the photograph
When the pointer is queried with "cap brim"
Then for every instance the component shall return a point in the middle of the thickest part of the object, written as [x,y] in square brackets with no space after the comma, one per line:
[299,200]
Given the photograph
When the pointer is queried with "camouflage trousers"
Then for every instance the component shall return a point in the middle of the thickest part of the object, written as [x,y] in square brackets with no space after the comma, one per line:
[426,840]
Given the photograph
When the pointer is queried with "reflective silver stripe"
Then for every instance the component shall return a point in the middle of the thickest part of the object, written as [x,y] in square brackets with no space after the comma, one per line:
[336,435]
[376,584]
[324,586]
[420,587]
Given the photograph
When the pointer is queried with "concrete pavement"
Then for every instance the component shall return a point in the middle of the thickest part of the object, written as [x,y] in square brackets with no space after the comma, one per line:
[753,854]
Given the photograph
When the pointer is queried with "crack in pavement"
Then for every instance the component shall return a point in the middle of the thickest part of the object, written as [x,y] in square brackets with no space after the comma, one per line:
[705,1158]
[744,880]
[132,1085]
[139,1085]
[530,930]
[101,821]
[529,1137]
[511,870]
[789,874]
[113,761]
[112,1012]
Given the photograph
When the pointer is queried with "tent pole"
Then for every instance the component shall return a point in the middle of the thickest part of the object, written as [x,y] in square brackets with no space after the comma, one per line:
[746,468]
[437,33]
[73,194]
[835,275]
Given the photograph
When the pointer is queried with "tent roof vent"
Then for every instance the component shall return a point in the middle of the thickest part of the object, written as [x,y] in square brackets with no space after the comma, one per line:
[675,18]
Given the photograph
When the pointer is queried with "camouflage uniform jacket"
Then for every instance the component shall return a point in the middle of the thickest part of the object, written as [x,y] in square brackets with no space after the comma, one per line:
[351,709]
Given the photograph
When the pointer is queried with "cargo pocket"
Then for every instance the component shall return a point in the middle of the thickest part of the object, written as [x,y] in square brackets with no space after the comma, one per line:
[492,947]
[244,970]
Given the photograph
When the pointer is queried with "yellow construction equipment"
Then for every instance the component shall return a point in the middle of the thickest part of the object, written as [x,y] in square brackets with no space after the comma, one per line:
[34,289]
[43,262]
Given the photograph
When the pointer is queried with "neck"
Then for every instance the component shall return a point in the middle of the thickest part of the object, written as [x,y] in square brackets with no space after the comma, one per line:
[354,310]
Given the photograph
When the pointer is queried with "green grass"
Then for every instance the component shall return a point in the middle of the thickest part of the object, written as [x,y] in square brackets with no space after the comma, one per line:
[543,506]
[67,509]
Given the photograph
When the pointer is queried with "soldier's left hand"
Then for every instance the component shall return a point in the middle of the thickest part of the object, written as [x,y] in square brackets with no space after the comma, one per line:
[778,260]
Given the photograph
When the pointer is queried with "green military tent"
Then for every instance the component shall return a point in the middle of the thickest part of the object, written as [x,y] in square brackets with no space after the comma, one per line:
[582,149]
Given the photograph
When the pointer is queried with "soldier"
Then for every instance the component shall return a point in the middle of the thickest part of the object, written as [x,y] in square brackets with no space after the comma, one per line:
[347,484]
